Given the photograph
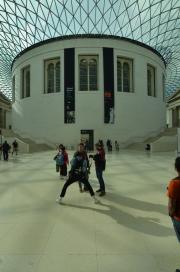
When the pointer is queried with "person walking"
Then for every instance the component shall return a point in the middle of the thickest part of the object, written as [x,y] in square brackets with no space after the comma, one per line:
[5,148]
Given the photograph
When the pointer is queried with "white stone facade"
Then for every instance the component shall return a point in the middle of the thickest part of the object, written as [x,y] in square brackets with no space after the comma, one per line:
[137,115]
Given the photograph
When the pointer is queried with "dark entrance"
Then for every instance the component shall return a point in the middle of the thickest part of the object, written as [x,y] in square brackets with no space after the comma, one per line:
[175,117]
[87,137]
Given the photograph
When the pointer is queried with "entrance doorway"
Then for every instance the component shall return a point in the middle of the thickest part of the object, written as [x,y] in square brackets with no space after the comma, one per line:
[87,138]
[175,117]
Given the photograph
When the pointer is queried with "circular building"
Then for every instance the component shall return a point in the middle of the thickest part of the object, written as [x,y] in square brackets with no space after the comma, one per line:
[90,87]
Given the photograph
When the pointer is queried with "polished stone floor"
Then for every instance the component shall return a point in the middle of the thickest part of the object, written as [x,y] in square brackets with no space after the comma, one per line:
[128,231]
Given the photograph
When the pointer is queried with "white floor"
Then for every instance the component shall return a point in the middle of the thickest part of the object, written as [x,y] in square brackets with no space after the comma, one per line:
[128,231]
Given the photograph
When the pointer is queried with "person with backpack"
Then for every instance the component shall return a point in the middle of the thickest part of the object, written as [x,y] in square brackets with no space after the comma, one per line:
[59,158]
[78,172]
[100,164]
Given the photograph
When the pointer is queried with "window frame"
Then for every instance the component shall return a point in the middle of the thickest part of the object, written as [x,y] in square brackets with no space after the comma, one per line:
[153,91]
[54,61]
[163,86]
[24,93]
[13,87]
[122,60]
[88,58]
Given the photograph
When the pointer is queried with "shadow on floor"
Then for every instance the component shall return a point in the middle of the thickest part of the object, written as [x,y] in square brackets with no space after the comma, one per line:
[146,225]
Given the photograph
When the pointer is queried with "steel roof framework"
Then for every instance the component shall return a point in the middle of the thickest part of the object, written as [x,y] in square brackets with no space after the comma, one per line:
[153,22]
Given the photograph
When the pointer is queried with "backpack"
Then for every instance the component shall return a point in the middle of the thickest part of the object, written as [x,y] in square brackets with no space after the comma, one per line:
[60,159]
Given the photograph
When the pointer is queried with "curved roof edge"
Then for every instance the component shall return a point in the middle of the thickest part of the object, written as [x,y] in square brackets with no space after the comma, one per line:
[88,36]
[5,98]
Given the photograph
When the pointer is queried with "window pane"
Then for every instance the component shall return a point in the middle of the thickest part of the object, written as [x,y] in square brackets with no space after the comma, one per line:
[83,75]
[149,82]
[93,75]
[13,89]
[153,82]
[50,78]
[27,84]
[57,77]
[119,76]
[163,86]
[126,77]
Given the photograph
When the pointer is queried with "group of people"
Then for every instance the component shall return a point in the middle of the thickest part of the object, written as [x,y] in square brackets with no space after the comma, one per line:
[5,149]
[110,145]
[80,170]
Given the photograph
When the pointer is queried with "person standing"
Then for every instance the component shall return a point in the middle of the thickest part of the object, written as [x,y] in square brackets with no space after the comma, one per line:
[173,193]
[59,158]
[65,162]
[15,147]
[6,147]
[78,172]
[100,163]
[84,152]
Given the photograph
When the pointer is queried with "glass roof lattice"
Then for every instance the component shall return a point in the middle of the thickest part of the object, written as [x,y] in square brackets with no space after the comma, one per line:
[153,22]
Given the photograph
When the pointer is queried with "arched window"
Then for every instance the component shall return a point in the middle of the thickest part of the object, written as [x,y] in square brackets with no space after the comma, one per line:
[83,75]
[151,77]
[124,75]
[92,75]
[25,82]
[149,82]
[88,73]
[119,76]
[57,76]
[13,88]
[52,75]
[50,78]
[163,86]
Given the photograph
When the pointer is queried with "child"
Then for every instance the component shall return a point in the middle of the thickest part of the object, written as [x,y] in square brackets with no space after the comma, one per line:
[59,158]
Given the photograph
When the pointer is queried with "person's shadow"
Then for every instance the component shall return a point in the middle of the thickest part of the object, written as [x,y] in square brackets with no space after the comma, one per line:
[147,225]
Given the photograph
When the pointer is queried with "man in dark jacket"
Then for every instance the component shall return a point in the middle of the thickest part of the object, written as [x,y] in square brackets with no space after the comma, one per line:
[6,147]
[100,162]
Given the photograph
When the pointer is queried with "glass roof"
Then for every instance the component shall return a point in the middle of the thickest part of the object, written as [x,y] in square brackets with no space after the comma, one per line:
[153,22]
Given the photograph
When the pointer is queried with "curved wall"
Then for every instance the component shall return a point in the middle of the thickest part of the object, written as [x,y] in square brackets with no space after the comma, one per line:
[41,116]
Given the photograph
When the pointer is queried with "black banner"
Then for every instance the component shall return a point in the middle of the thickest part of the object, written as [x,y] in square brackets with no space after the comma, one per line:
[108,65]
[69,85]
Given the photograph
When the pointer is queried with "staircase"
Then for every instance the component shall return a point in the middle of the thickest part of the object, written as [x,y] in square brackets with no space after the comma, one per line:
[25,145]
[165,141]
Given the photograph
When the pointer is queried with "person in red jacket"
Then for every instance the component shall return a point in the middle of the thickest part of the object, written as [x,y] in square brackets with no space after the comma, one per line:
[173,194]
[66,162]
